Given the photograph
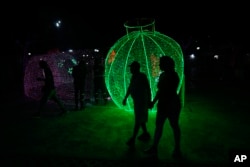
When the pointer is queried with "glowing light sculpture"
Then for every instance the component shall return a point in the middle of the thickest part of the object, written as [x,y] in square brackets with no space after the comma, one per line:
[144,44]
[61,65]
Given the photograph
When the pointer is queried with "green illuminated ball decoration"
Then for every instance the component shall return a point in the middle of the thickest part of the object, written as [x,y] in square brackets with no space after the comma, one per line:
[145,45]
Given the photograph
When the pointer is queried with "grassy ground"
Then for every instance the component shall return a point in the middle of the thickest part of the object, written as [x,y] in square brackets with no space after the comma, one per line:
[214,121]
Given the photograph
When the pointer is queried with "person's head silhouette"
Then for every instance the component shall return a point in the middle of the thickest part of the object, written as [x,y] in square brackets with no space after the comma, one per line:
[166,63]
[135,67]
[43,64]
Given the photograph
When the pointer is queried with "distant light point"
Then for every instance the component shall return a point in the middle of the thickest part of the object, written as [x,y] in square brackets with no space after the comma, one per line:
[58,23]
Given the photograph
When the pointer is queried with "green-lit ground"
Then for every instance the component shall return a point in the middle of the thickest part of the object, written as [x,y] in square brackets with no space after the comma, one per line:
[213,121]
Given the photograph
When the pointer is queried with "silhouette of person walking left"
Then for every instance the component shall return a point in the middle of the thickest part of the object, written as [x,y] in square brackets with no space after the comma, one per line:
[168,107]
[139,89]
[49,91]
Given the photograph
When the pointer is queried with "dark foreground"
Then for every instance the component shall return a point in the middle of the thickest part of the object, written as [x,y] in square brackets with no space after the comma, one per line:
[214,121]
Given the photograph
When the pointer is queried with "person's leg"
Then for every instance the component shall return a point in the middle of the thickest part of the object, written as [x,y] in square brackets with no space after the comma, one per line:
[54,97]
[174,123]
[82,92]
[177,132]
[137,120]
[76,96]
[131,141]
[136,129]
[160,120]
[96,90]
[42,102]
[145,136]
[144,127]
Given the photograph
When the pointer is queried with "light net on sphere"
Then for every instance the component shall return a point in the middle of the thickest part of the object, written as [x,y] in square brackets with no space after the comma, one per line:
[145,45]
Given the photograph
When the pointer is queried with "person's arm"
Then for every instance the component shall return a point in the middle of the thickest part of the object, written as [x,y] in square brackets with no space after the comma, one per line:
[151,104]
[156,98]
[157,93]
[40,79]
[126,96]
[149,95]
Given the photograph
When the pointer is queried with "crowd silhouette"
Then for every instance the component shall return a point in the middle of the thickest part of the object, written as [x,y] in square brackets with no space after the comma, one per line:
[167,99]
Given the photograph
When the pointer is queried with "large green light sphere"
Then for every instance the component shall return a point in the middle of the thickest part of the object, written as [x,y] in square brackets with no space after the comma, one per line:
[145,45]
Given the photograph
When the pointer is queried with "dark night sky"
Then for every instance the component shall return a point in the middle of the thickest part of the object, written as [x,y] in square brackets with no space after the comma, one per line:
[90,26]
[101,25]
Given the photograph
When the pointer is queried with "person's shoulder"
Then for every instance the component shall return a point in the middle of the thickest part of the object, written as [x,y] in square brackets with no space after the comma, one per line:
[143,74]
[163,75]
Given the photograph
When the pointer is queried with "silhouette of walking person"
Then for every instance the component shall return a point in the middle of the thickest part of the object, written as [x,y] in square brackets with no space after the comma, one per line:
[168,107]
[79,75]
[139,89]
[48,90]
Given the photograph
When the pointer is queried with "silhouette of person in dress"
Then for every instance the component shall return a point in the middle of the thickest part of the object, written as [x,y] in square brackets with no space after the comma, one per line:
[169,105]
[139,89]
